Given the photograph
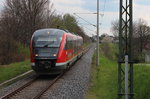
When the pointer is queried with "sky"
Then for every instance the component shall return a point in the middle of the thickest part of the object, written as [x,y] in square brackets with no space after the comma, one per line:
[109,12]
[108,8]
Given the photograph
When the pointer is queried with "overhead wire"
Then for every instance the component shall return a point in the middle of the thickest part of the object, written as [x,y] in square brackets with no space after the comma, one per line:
[102,15]
[85,20]
[88,28]
[87,13]
[105,1]
[103,12]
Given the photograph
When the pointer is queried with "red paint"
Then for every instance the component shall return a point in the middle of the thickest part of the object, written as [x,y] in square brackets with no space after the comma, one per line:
[31,53]
[66,55]
[63,54]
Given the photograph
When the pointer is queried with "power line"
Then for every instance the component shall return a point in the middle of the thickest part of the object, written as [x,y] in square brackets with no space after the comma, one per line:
[104,5]
[89,13]
[103,12]
[87,28]
[84,20]
[85,13]
[87,23]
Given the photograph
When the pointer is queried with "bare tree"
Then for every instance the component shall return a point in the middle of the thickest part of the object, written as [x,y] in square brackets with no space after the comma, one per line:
[28,15]
[115,28]
[141,33]
[18,21]
[20,18]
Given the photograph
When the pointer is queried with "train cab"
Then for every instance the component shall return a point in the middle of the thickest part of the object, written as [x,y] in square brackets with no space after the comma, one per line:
[52,50]
[44,48]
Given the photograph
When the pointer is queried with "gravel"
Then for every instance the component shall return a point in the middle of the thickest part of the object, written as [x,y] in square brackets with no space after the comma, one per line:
[12,87]
[74,84]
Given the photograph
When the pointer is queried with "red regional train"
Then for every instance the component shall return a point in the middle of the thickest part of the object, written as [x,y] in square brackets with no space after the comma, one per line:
[54,50]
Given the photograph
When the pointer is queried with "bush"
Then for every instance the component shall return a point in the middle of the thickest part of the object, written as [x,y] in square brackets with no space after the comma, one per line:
[109,50]
[8,48]
[10,51]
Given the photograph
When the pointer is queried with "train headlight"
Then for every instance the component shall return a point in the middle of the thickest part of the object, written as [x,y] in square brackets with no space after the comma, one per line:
[54,54]
[36,55]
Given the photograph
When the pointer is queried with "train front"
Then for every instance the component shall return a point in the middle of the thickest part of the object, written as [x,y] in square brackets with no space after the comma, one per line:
[44,48]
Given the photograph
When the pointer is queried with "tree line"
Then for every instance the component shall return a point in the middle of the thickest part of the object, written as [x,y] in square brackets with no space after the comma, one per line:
[20,18]
[141,36]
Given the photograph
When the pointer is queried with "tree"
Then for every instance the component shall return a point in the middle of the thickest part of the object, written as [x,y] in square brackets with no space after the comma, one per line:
[70,23]
[141,32]
[18,21]
[26,16]
[115,28]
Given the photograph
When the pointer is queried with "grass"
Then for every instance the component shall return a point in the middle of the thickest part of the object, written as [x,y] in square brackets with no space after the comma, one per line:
[9,71]
[104,76]
[142,82]
[104,81]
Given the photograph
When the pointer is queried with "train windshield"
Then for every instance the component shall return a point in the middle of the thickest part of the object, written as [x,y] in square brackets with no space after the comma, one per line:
[47,40]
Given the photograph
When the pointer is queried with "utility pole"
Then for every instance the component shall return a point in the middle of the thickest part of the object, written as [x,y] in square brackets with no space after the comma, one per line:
[125,63]
[97,32]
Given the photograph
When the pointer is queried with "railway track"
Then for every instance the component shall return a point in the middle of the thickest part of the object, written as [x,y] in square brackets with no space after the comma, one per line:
[19,90]
[50,83]
[48,87]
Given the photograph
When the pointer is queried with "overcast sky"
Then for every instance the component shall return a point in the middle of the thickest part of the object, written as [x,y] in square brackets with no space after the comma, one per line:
[110,9]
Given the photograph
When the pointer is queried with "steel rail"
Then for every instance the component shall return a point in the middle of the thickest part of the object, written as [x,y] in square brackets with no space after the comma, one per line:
[18,89]
[49,86]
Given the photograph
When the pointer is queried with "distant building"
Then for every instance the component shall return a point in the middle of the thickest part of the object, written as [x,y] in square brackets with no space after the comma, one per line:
[116,40]
[107,38]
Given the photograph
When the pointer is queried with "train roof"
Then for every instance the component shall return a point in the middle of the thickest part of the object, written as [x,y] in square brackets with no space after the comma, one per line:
[52,31]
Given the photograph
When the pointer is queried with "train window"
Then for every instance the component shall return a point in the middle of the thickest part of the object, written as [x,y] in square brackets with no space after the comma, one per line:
[47,41]
[47,38]
[50,39]
[66,45]
[69,43]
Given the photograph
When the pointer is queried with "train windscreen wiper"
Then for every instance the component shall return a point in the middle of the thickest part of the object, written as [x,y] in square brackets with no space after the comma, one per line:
[50,44]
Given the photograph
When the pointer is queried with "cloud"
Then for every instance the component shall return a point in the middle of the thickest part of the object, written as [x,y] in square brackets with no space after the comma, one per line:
[79,8]
[1,4]
[108,18]
[140,11]
[105,21]
[68,6]
[68,2]
[68,9]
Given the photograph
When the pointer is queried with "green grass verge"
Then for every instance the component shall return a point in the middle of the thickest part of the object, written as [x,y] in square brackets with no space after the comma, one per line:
[104,81]
[142,82]
[9,71]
